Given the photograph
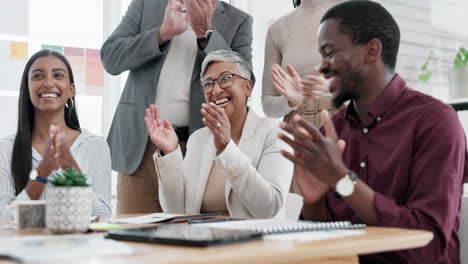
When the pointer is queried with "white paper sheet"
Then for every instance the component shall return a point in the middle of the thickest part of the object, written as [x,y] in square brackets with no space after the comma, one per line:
[315,235]
[293,236]
[147,219]
[62,247]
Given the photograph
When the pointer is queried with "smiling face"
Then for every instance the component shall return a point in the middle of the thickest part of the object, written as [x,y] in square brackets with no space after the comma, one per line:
[49,84]
[232,99]
[342,62]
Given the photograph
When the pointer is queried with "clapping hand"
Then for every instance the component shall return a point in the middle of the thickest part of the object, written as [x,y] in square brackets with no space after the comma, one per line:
[174,23]
[49,162]
[294,88]
[161,132]
[314,86]
[289,85]
[199,14]
[218,123]
[318,156]
[57,154]
[61,149]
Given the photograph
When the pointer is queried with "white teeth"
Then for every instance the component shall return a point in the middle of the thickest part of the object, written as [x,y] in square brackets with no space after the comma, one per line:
[221,101]
[49,95]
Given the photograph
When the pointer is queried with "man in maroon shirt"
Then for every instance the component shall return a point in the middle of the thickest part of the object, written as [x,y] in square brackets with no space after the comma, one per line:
[397,157]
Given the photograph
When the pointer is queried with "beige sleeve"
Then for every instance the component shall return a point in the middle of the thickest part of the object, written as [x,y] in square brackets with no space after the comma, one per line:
[274,104]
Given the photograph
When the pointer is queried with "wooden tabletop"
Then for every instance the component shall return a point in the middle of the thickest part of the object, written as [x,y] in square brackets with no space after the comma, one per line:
[339,250]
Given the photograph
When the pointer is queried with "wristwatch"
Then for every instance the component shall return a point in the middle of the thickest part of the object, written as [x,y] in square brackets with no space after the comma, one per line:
[34,176]
[205,38]
[346,185]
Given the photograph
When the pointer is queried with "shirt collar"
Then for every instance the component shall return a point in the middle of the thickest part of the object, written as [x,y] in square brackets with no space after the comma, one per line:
[384,101]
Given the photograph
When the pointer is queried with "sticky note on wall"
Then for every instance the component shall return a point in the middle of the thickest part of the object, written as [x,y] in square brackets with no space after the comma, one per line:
[18,50]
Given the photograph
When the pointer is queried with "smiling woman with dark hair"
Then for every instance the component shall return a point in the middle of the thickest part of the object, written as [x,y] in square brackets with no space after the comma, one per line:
[49,137]
[233,165]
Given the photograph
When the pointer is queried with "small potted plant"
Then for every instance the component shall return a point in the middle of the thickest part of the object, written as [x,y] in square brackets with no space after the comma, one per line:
[458,75]
[68,202]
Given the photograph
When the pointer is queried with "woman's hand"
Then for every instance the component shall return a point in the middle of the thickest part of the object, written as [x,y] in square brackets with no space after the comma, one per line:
[62,152]
[314,86]
[218,123]
[49,162]
[289,85]
[161,132]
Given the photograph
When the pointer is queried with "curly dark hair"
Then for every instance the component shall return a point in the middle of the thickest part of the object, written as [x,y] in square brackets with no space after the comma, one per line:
[365,20]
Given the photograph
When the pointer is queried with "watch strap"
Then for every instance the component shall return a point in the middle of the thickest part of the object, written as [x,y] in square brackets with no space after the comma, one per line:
[205,38]
[41,180]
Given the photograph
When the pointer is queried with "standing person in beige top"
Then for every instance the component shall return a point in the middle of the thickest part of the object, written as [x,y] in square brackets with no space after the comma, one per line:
[163,43]
[233,165]
[291,83]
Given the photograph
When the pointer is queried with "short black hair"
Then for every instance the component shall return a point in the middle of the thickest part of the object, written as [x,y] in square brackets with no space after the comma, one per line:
[365,20]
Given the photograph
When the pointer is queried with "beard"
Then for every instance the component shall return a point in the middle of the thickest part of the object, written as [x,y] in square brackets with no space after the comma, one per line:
[348,85]
[341,98]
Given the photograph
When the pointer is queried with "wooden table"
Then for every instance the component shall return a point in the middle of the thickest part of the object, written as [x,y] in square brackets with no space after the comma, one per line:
[340,250]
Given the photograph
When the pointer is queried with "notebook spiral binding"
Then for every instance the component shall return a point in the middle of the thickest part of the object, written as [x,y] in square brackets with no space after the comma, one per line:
[303,227]
[196,216]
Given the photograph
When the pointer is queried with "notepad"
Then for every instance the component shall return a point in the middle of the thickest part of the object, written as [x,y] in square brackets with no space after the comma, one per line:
[277,226]
[163,217]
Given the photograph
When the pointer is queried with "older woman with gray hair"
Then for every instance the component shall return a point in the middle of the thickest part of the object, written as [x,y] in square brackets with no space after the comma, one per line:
[233,165]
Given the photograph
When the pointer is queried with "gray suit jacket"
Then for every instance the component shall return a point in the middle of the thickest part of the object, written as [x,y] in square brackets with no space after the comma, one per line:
[134,46]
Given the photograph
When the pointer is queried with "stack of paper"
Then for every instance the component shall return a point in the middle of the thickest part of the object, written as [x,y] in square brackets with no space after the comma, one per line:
[67,247]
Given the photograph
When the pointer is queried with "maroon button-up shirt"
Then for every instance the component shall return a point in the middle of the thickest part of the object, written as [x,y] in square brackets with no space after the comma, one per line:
[413,155]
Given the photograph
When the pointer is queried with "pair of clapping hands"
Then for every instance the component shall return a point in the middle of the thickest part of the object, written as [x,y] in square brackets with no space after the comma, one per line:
[317,156]
[163,134]
[57,154]
[198,16]
[294,88]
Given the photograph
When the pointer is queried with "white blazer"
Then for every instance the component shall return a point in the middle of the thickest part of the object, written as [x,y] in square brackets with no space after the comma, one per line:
[258,176]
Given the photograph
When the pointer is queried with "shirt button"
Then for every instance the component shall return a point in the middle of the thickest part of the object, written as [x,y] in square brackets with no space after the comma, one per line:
[363,164]
[378,119]
[365,130]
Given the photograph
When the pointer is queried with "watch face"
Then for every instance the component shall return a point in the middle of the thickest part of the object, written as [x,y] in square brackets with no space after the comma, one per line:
[33,174]
[345,186]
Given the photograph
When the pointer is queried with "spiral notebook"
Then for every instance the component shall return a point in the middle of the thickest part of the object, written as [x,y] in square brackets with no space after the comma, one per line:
[163,217]
[276,226]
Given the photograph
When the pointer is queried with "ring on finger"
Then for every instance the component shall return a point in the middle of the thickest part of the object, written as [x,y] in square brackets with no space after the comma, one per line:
[218,125]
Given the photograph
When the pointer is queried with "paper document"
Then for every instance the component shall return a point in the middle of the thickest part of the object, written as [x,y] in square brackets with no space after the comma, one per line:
[314,235]
[280,229]
[148,219]
[61,247]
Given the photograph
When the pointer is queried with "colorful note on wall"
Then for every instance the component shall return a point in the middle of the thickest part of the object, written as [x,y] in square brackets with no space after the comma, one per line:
[94,72]
[53,47]
[13,56]
[18,50]
[77,61]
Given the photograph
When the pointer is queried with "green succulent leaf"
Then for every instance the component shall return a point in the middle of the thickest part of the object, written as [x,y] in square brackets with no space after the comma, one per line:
[69,178]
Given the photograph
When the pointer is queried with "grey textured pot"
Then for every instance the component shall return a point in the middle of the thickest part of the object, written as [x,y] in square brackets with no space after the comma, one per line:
[458,83]
[68,209]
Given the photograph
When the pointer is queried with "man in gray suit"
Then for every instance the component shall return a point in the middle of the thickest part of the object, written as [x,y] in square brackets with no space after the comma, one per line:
[163,43]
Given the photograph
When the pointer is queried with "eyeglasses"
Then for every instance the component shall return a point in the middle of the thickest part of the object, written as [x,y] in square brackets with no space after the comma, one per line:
[224,81]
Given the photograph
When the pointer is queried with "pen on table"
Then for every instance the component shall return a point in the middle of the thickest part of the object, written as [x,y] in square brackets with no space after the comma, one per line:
[200,221]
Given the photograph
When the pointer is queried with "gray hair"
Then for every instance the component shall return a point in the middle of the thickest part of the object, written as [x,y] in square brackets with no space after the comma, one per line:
[245,70]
